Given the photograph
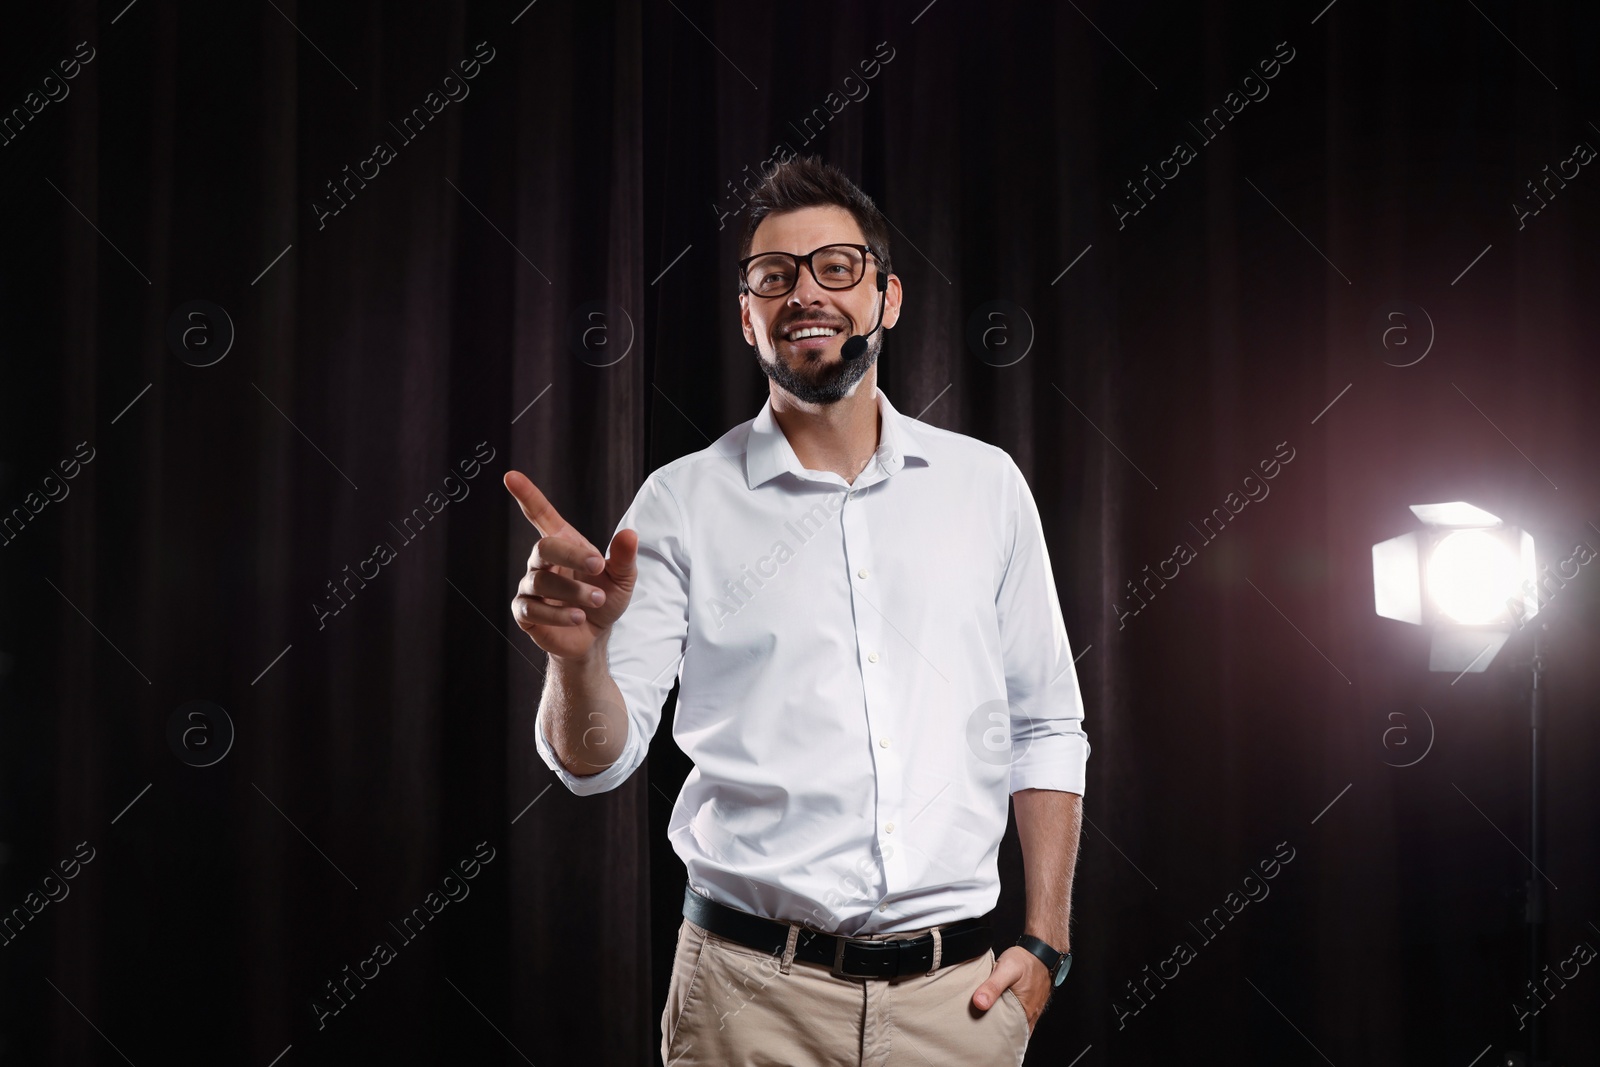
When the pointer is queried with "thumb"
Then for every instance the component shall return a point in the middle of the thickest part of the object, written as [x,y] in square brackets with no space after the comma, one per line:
[622,557]
[990,990]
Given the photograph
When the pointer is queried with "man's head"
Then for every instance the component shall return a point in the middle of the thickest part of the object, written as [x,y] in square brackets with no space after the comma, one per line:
[805,205]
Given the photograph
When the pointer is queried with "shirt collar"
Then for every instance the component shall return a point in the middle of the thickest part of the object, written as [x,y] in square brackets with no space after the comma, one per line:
[769,454]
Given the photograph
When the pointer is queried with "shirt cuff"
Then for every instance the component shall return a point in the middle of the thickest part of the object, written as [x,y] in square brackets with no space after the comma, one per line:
[1055,761]
[584,785]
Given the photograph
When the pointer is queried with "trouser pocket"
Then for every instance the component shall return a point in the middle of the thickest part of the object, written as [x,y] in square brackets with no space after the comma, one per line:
[684,984]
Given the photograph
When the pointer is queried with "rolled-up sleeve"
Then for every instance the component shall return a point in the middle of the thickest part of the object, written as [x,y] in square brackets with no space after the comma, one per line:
[1050,748]
[647,641]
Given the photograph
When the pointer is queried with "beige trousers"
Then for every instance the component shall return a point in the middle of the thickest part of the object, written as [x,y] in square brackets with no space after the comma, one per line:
[732,1006]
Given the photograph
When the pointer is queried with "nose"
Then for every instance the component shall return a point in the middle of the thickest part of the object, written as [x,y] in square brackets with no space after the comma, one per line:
[807,291]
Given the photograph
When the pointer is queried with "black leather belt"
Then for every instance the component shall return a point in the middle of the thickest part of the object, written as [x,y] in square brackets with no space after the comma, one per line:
[845,957]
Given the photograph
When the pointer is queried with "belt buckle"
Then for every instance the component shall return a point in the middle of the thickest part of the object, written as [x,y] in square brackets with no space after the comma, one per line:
[837,970]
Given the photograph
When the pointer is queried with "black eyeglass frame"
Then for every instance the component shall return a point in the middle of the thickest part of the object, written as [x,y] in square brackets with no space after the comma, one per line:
[865,250]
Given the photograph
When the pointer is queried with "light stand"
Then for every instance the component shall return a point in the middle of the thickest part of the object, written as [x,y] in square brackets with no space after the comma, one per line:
[1535,913]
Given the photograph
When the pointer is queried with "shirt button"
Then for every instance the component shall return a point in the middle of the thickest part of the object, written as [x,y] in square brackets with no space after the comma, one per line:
[872,658]
[883,742]
[888,827]
[883,907]
[862,573]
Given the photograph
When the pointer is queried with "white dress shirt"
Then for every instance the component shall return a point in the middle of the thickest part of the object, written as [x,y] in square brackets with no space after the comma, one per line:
[867,672]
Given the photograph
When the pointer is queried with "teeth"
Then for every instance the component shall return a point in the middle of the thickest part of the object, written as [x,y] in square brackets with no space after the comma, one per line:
[812,331]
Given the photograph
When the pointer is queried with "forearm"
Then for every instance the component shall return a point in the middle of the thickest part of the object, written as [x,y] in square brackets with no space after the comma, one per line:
[1048,825]
[585,719]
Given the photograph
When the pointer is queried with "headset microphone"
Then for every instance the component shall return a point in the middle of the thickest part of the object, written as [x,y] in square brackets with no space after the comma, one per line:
[856,347]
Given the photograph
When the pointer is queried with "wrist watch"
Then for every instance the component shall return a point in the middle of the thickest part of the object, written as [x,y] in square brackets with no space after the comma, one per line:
[1057,963]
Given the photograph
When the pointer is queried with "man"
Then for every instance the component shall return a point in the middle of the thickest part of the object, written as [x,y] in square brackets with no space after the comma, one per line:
[871,659]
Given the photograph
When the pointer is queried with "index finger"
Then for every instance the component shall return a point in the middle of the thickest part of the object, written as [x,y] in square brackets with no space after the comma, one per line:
[535,508]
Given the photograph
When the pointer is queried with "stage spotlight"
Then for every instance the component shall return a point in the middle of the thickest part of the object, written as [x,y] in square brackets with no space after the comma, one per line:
[1472,579]
[1466,574]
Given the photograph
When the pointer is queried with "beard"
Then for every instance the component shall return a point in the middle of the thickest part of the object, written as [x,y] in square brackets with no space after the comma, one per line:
[817,382]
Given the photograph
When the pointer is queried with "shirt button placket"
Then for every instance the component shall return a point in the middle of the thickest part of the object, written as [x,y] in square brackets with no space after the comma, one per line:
[876,685]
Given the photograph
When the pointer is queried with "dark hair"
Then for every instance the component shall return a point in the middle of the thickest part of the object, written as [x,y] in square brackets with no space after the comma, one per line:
[807,181]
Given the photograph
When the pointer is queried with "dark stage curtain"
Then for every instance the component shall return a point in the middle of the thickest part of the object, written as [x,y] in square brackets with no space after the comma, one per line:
[537,274]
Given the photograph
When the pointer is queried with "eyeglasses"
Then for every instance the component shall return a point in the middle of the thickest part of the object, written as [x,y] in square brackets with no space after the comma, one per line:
[772,274]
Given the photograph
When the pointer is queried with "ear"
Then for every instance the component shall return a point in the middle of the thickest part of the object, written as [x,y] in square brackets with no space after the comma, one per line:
[891,302]
[744,320]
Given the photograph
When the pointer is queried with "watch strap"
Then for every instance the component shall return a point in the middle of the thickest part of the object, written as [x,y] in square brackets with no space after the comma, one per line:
[1052,958]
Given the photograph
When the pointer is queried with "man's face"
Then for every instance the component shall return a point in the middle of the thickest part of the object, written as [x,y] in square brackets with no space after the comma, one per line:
[811,369]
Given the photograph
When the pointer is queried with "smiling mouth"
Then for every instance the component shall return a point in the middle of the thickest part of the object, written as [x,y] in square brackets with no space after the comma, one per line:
[810,336]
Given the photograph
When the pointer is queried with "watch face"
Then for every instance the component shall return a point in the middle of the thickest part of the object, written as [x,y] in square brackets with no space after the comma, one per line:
[1062,967]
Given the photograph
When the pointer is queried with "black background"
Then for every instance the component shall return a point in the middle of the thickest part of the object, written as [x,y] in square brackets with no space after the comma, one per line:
[586,165]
